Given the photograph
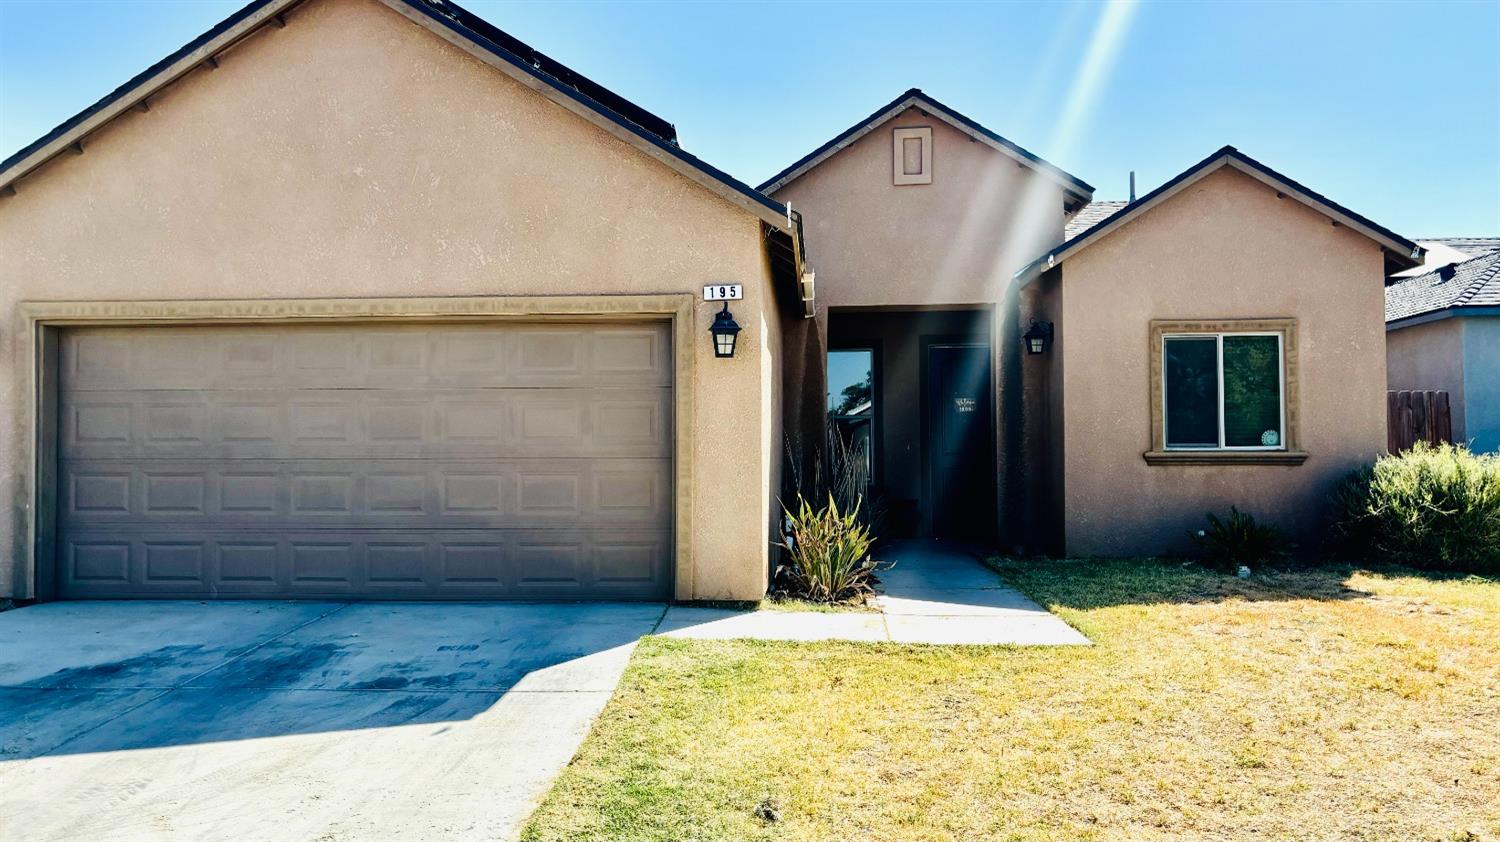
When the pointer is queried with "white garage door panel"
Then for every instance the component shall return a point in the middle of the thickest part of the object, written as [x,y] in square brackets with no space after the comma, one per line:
[494,461]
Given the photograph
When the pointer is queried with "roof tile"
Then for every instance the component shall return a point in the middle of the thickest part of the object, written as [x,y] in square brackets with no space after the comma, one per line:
[1473,283]
[1090,215]
[1472,246]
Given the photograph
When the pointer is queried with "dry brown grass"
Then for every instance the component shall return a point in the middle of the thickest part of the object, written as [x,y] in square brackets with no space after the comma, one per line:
[1318,704]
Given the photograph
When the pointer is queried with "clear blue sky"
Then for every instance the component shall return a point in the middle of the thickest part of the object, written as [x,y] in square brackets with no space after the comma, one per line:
[1390,108]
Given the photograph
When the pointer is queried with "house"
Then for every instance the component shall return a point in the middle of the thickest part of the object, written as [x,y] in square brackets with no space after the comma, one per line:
[1119,436]
[368,299]
[1443,333]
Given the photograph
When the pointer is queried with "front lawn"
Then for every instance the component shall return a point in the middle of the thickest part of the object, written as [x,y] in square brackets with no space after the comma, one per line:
[1315,704]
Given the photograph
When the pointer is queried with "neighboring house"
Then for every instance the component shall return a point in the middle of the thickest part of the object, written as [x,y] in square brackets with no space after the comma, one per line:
[1446,251]
[365,298]
[1443,332]
[1471,246]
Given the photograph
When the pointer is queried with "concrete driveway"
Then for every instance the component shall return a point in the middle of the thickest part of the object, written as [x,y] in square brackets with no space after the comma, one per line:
[292,721]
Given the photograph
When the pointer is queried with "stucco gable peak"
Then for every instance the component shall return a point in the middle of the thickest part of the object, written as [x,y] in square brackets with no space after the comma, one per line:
[609,111]
[1401,253]
[1078,191]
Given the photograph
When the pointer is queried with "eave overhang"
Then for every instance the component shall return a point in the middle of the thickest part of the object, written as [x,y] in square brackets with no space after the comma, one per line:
[1450,312]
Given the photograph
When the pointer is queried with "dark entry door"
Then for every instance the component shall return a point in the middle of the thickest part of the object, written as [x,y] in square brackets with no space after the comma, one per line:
[960,442]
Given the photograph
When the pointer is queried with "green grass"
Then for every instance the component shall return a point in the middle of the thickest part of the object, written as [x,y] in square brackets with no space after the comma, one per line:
[792,604]
[1306,704]
[780,603]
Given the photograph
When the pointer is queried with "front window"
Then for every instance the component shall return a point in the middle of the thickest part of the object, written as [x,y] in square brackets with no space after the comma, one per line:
[1224,391]
[851,405]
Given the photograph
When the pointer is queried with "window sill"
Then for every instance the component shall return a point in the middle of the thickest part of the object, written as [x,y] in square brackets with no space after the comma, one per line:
[1224,457]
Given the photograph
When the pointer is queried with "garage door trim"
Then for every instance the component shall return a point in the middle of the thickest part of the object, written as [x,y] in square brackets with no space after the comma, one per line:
[40,324]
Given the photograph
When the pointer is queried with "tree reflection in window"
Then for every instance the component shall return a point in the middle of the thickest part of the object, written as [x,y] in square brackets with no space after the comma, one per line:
[851,404]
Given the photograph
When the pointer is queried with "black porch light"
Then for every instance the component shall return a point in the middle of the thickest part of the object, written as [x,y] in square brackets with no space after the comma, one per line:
[725,331]
[1037,336]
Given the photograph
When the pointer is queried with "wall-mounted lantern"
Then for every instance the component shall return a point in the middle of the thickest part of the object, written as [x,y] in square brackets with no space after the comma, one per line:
[1037,336]
[725,332]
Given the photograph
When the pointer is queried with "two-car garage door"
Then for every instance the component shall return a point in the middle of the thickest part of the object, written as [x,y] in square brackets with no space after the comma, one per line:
[422,461]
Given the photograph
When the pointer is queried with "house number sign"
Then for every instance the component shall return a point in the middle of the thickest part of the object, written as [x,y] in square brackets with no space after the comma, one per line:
[723,292]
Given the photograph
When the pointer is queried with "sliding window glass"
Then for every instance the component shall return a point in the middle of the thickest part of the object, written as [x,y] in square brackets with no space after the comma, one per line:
[1224,391]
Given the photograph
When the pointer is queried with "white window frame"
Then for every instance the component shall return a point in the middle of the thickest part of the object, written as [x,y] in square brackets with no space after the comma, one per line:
[1218,337]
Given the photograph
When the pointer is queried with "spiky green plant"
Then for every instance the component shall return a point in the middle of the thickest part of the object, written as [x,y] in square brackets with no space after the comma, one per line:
[1239,539]
[828,553]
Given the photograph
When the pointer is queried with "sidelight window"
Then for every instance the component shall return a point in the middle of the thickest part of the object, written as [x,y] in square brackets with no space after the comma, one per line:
[851,405]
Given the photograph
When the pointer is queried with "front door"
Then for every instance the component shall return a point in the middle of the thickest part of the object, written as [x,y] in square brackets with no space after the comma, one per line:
[960,442]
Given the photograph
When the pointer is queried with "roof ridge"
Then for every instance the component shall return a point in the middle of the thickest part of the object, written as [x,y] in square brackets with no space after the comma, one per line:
[563,74]
[1482,281]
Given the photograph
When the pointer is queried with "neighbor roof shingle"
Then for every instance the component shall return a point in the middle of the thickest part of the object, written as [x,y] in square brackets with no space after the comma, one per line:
[1473,283]
[1472,246]
[1090,215]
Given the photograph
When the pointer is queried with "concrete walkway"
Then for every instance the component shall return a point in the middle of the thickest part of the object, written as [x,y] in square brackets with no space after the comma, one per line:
[296,720]
[934,594]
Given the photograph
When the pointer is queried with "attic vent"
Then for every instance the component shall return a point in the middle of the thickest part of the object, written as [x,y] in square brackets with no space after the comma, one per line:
[911,156]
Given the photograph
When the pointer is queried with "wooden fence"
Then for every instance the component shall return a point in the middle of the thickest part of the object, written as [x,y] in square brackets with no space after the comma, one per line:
[1417,416]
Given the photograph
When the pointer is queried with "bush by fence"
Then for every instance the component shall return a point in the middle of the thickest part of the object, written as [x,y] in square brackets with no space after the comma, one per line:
[1433,507]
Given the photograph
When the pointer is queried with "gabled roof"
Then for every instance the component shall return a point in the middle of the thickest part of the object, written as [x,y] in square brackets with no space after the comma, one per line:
[1400,252]
[1470,285]
[590,100]
[914,98]
[1090,215]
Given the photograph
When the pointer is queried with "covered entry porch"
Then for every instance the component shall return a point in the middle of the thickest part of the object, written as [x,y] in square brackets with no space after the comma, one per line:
[912,394]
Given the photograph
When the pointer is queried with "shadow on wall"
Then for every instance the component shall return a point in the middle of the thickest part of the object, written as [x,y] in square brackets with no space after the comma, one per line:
[85,677]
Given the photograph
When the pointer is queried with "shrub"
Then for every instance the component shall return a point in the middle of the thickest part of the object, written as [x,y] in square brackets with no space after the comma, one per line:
[1436,508]
[828,552]
[834,467]
[1238,540]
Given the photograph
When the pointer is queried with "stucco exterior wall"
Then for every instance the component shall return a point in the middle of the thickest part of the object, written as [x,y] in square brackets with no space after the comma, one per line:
[1224,248]
[1430,356]
[354,154]
[1482,382]
[957,240]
